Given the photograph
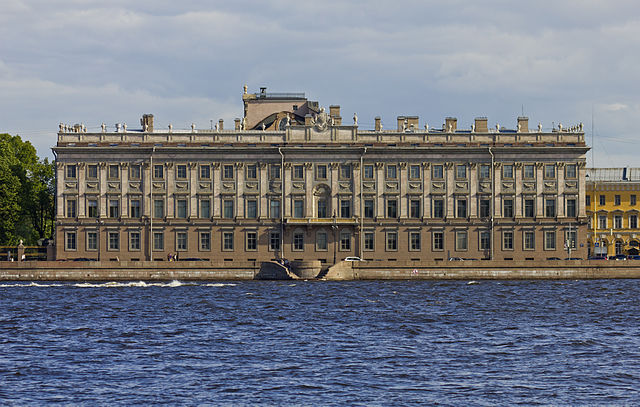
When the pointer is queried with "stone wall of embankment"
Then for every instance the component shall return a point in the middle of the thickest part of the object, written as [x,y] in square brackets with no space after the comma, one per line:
[375,270]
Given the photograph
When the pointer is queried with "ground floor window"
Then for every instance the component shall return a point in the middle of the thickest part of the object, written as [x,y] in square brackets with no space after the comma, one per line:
[134,240]
[92,240]
[485,240]
[274,241]
[298,241]
[345,241]
[507,240]
[549,240]
[70,240]
[529,238]
[369,241]
[252,240]
[158,241]
[438,240]
[205,241]
[414,241]
[461,240]
[321,241]
[392,241]
[114,241]
[227,241]
[181,241]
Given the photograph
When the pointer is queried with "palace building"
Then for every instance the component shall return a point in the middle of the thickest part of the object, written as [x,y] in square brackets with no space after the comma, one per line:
[291,180]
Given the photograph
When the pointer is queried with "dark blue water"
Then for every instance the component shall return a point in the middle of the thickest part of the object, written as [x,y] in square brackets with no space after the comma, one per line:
[321,343]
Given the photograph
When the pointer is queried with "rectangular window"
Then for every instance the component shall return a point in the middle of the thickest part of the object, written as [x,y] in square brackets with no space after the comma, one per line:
[632,200]
[392,241]
[298,241]
[438,241]
[298,208]
[252,171]
[92,240]
[274,171]
[571,171]
[602,222]
[135,208]
[92,171]
[345,241]
[205,172]
[274,241]
[507,240]
[298,172]
[587,200]
[181,208]
[550,171]
[71,171]
[134,240]
[274,209]
[322,208]
[252,241]
[571,208]
[181,171]
[181,240]
[602,200]
[414,241]
[549,240]
[550,207]
[414,208]
[158,171]
[252,209]
[528,171]
[227,209]
[369,241]
[485,171]
[158,208]
[205,208]
[485,240]
[392,208]
[158,241]
[134,172]
[114,208]
[507,171]
[529,207]
[392,171]
[345,208]
[438,208]
[461,207]
[414,172]
[321,241]
[71,208]
[114,241]
[529,240]
[205,241]
[461,171]
[321,172]
[227,241]
[114,172]
[485,208]
[437,172]
[345,171]
[507,208]
[227,171]
[368,208]
[70,241]
[368,172]
[633,221]
[461,240]
[616,200]
[617,222]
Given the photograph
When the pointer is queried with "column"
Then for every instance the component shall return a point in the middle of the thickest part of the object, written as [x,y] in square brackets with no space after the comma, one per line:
[170,189]
[193,189]
[263,176]
[356,182]
[380,190]
[497,190]
[334,189]
[539,190]
[560,189]
[518,204]
[426,189]
[81,190]
[217,202]
[124,189]
[402,189]
[102,176]
[146,186]
[239,190]
[285,206]
[60,189]
[450,187]
[308,201]
[473,190]
[582,184]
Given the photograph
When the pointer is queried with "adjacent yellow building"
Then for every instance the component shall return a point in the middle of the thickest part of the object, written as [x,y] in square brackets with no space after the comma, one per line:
[612,207]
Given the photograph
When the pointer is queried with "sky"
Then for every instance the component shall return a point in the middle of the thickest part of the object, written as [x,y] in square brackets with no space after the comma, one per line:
[561,61]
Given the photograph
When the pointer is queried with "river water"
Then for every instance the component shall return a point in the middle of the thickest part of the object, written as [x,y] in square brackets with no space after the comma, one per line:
[321,343]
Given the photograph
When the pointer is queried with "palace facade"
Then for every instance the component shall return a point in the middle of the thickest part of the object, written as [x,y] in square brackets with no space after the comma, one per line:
[291,180]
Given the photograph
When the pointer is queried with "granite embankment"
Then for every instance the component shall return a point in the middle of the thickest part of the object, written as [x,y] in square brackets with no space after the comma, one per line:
[206,270]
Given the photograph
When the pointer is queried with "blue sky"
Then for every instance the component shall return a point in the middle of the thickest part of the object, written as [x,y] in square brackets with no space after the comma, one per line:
[84,61]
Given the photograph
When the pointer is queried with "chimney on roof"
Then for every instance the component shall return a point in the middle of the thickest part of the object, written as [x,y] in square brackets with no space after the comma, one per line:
[450,124]
[147,123]
[378,124]
[523,124]
[220,125]
[481,125]
[237,122]
[334,113]
[308,119]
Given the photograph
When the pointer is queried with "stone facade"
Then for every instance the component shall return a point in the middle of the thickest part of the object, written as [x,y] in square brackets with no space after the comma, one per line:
[321,190]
